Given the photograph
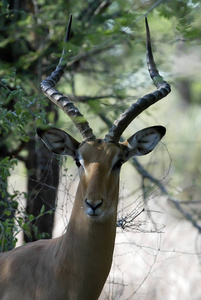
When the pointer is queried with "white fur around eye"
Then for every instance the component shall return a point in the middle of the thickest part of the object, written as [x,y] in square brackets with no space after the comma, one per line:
[82,167]
[81,160]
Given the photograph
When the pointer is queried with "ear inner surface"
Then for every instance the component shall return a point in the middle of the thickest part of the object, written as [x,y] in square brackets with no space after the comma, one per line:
[144,141]
[58,141]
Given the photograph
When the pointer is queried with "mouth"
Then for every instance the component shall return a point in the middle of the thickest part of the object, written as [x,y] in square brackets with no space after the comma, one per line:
[93,215]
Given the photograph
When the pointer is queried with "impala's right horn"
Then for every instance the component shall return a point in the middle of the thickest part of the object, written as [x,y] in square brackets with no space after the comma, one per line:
[48,89]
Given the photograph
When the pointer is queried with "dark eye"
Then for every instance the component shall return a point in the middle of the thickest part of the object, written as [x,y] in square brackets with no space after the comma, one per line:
[78,164]
[118,164]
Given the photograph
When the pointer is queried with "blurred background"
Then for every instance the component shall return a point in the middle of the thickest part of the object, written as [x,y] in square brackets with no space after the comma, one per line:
[158,245]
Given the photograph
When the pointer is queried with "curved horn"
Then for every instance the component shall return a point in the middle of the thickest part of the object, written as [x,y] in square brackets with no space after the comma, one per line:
[48,88]
[163,89]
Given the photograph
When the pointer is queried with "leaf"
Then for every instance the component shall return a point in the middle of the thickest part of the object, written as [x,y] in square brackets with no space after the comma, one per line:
[42,209]
[25,138]
[12,95]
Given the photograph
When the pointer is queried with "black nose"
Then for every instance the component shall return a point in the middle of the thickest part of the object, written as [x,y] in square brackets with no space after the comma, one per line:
[93,204]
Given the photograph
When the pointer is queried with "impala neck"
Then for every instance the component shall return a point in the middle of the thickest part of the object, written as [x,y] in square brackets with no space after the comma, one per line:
[86,249]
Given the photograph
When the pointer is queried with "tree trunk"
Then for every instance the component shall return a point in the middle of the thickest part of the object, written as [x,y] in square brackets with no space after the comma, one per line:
[43,180]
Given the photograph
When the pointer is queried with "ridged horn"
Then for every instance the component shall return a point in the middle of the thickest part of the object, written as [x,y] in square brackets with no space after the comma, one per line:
[48,88]
[163,89]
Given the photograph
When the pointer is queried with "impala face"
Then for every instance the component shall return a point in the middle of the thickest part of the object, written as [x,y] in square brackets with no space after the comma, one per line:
[99,163]
[99,166]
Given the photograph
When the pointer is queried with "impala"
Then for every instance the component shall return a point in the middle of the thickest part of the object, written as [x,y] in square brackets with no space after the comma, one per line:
[76,265]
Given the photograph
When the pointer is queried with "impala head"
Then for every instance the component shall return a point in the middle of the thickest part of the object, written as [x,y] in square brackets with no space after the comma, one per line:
[99,163]
[99,160]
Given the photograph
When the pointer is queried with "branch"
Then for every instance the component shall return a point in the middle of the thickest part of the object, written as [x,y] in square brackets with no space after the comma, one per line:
[85,99]
[175,202]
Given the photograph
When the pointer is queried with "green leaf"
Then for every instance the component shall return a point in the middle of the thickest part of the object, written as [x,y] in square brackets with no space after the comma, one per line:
[42,209]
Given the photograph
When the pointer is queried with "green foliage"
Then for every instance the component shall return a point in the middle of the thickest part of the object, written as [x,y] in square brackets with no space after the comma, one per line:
[17,112]
[29,224]
[185,14]
[7,241]
[5,166]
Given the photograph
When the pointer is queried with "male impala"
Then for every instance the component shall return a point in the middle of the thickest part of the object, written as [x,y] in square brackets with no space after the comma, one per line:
[76,265]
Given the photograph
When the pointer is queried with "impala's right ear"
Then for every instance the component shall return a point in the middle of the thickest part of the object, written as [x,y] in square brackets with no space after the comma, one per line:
[58,141]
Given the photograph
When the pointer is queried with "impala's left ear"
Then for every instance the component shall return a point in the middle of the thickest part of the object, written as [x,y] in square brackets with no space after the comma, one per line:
[143,141]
